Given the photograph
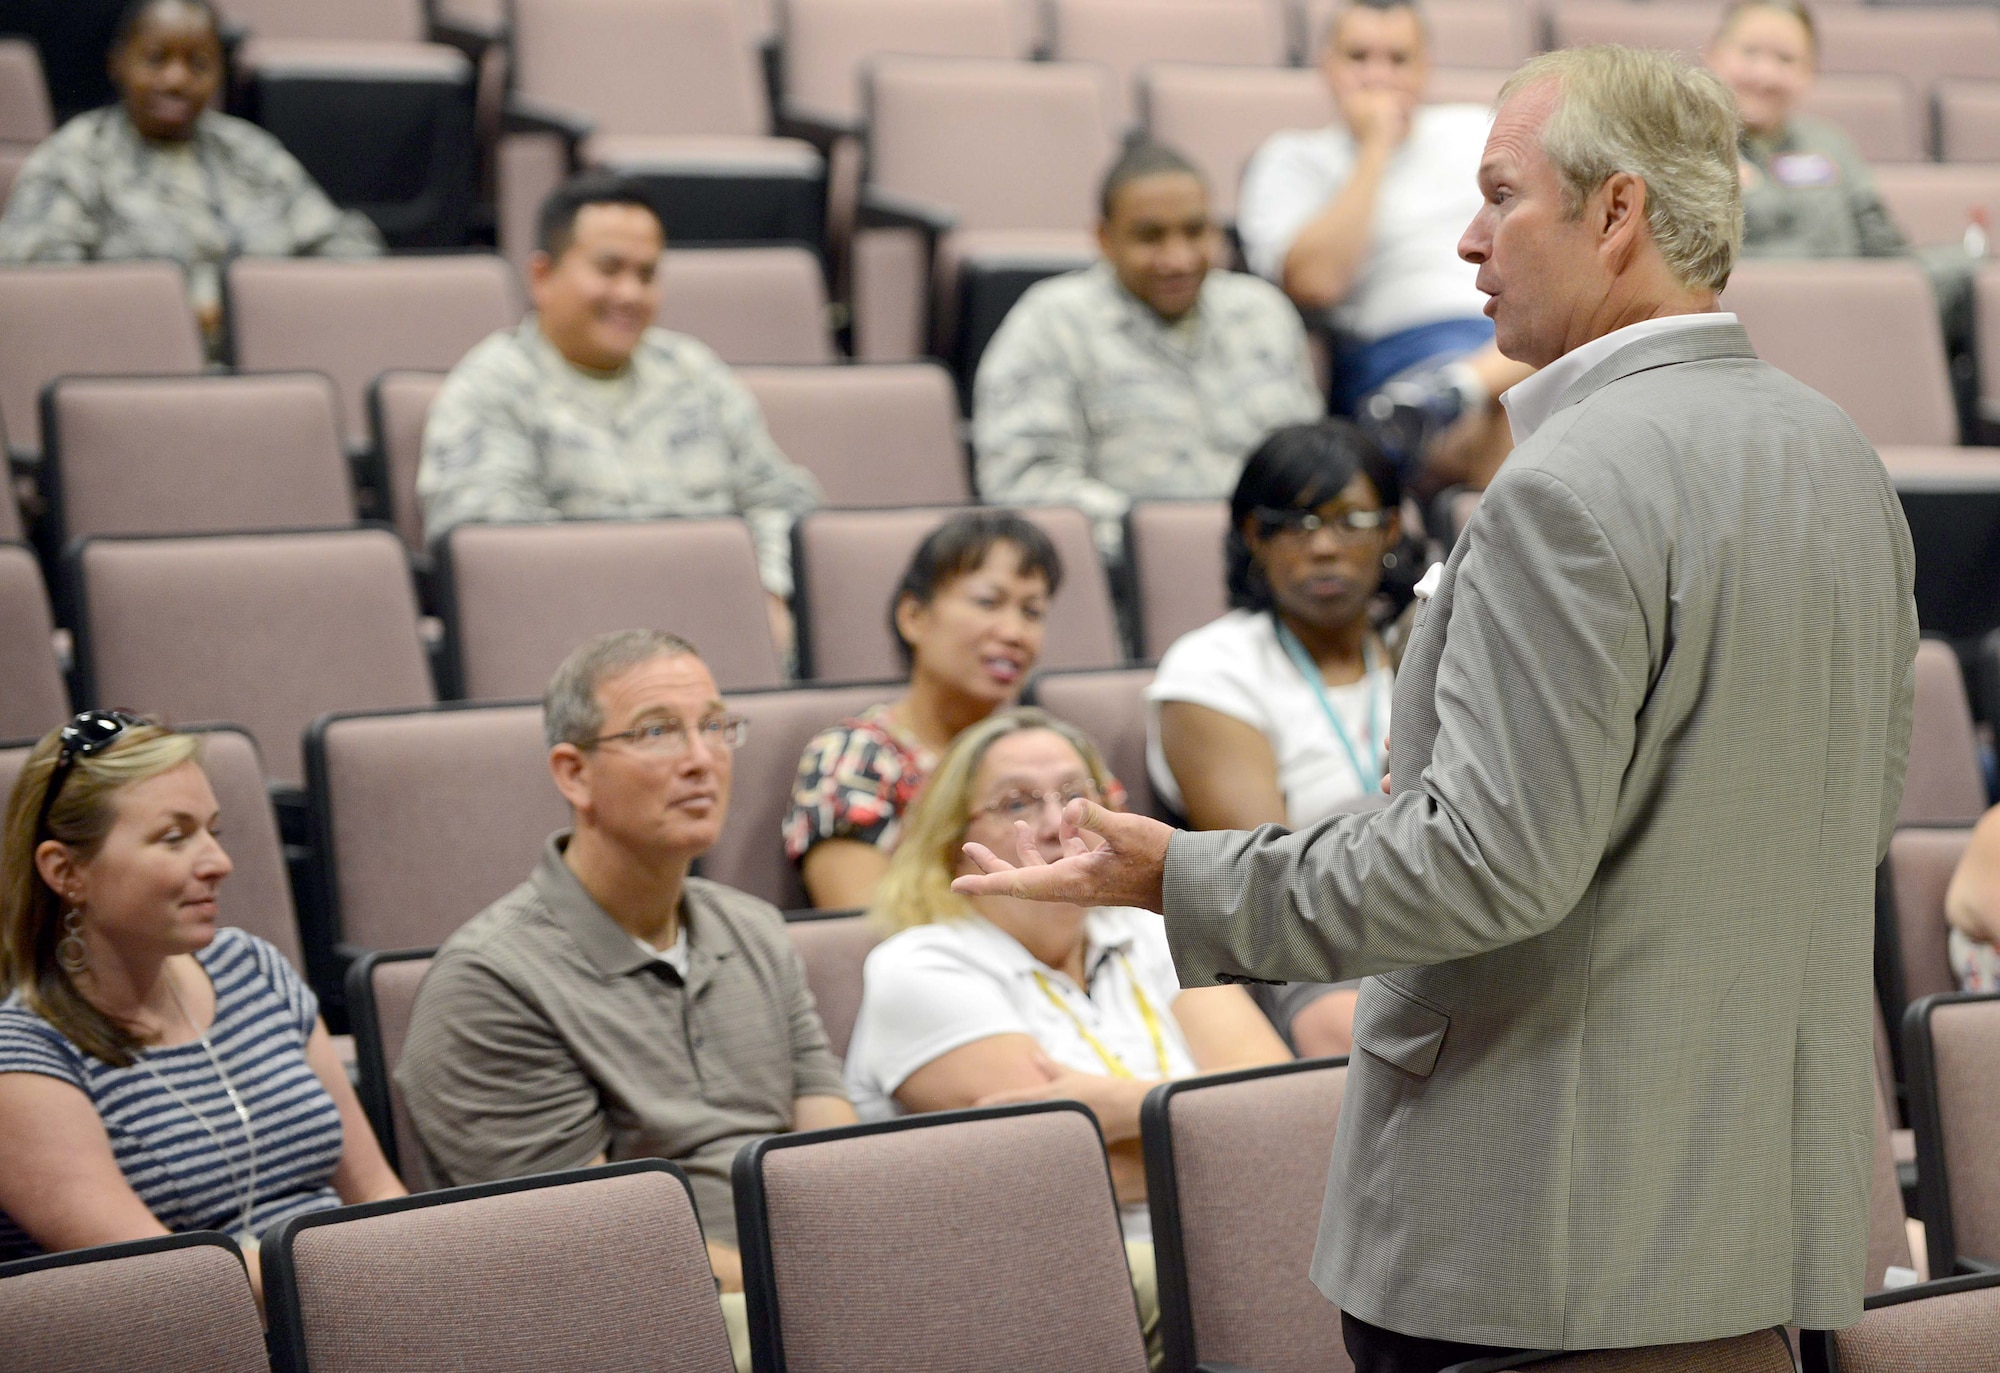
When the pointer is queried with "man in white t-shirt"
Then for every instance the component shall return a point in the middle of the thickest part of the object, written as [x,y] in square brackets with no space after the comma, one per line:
[1360,221]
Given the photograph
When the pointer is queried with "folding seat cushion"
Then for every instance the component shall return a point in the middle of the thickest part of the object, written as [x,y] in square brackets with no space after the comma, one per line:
[1933,205]
[1110,707]
[1219,116]
[1949,1325]
[751,305]
[1951,1046]
[1880,112]
[868,433]
[1123,37]
[398,404]
[827,43]
[1968,121]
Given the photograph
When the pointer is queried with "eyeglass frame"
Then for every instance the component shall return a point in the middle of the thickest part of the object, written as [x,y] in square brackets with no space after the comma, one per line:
[1299,523]
[72,745]
[738,725]
[1038,799]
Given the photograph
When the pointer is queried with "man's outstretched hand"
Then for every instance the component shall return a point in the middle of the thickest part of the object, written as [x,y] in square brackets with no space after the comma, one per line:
[1108,858]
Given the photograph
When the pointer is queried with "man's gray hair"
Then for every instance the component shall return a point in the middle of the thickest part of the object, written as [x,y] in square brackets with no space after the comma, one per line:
[1655,116]
[570,714]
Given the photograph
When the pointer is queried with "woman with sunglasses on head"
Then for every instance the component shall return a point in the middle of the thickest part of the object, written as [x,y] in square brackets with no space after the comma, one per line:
[1278,713]
[157,1073]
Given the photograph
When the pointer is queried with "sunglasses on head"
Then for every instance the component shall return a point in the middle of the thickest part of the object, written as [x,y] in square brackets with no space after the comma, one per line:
[93,731]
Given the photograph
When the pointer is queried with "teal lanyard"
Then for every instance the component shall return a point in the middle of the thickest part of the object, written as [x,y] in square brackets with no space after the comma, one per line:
[1370,776]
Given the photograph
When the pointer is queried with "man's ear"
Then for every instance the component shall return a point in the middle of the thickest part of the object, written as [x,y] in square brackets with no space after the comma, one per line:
[566,766]
[1620,210]
[540,265]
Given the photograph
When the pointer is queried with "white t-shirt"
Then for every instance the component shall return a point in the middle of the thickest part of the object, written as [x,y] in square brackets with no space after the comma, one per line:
[1428,196]
[939,987]
[1235,665]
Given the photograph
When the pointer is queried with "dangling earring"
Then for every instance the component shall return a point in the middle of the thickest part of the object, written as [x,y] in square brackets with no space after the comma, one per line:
[71,951]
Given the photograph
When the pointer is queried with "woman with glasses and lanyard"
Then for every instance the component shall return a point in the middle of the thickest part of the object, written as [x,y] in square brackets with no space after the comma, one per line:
[1278,712]
[157,1073]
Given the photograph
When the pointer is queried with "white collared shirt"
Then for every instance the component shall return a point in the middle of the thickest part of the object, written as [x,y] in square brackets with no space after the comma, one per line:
[1529,403]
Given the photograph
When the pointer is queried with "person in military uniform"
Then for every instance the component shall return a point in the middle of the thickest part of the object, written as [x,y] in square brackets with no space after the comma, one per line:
[161,175]
[587,411]
[1146,375]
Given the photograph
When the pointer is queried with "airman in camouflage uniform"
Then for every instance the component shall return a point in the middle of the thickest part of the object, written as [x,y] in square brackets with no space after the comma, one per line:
[1808,194]
[1087,397]
[519,434]
[97,191]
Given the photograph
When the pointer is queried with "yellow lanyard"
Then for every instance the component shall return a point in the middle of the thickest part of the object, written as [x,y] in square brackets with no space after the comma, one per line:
[1112,1063]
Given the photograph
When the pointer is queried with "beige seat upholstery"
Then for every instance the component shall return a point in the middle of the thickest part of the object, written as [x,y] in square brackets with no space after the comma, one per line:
[1110,707]
[606,1265]
[90,319]
[858,1254]
[33,699]
[381,995]
[356,320]
[1948,1326]
[1803,316]
[426,817]
[1880,112]
[1675,28]
[176,1304]
[1236,1169]
[195,455]
[1465,85]
[25,115]
[751,305]
[518,597]
[1933,204]
[1968,118]
[1219,116]
[398,405]
[750,855]
[833,950]
[849,562]
[1942,784]
[267,630]
[1951,1051]
[1178,570]
[1921,862]
[370,20]
[1923,45]
[1461,33]
[828,43]
[1123,37]
[868,433]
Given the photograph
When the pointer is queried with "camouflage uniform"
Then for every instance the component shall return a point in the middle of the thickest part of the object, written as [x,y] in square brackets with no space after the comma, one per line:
[1087,398]
[519,434]
[1808,194]
[96,191]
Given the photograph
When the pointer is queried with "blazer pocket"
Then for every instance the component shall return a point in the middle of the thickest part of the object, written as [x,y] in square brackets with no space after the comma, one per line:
[1397,1028]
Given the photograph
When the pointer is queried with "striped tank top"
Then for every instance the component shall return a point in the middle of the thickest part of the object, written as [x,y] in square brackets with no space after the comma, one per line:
[264,1014]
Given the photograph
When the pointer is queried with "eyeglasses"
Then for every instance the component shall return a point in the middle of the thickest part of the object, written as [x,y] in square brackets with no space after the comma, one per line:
[669,737]
[1026,805]
[1348,526]
[91,732]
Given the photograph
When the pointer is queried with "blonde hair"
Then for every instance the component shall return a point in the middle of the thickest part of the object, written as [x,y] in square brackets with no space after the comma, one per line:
[1657,117]
[917,888]
[31,911]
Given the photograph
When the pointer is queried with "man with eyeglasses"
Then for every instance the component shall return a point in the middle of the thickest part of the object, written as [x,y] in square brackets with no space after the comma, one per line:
[612,1006]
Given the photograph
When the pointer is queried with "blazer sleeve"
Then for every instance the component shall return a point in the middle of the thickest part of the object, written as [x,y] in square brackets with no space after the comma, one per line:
[1543,669]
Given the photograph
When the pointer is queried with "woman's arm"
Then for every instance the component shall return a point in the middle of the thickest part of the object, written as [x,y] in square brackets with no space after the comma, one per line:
[1225,1030]
[1005,1070]
[363,1173]
[839,873]
[61,1184]
[1972,902]
[1227,774]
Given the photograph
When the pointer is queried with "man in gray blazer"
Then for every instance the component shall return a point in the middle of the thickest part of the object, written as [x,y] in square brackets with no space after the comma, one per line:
[1611,1081]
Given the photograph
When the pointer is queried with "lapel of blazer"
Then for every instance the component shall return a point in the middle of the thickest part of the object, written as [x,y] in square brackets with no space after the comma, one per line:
[1705,344]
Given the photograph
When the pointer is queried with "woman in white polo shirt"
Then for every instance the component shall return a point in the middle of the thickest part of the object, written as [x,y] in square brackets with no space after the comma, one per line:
[989,1000]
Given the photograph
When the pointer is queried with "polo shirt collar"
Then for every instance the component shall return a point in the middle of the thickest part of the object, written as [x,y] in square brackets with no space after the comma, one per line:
[1104,934]
[606,943]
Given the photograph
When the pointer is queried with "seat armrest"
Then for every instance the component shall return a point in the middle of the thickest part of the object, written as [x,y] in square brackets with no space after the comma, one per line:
[469,36]
[532,116]
[884,209]
[820,130]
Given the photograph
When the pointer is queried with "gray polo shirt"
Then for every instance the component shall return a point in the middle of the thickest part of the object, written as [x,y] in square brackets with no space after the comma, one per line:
[544,1035]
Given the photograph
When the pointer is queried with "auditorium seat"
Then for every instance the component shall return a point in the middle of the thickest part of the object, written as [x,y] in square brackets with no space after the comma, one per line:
[852,1259]
[87,319]
[25,116]
[1676,28]
[1110,707]
[1803,317]
[833,946]
[669,91]
[751,305]
[398,405]
[827,43]
[381,995]
[848,563]
[193,455]
[1951,1049]
[1942,784]
[1951,1325]
[267,630]
[1951,498]
[357,320]
[1880,113]
[1219,116]
[516,598]
[750,855]
[1123,37]
[1932,204]
[1920,865]
[423,818]
[175,1304]
[33,699]
[1236,1168]
[868,432]
[1968,121]
[1460,33]
[1178,570]
[1465,85]
[590,1270]
[1922,44]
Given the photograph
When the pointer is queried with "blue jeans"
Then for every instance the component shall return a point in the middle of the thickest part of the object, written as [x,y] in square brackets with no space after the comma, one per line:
[1359,368]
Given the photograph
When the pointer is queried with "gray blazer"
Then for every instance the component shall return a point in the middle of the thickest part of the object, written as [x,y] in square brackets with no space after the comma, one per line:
[1612,1070]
